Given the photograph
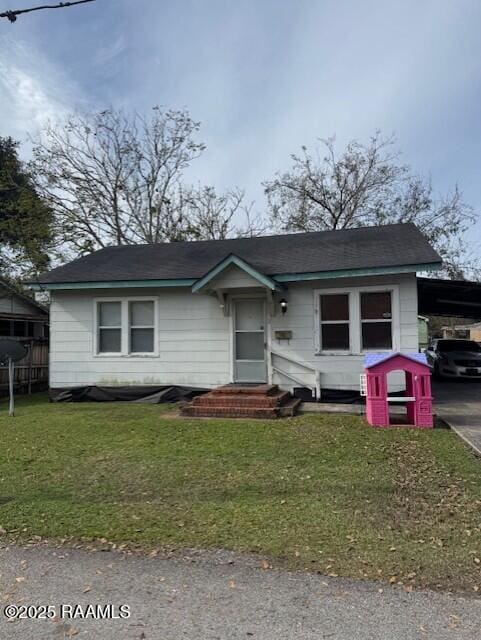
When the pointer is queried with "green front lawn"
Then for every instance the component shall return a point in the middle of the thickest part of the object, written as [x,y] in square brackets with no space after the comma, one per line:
[324,492]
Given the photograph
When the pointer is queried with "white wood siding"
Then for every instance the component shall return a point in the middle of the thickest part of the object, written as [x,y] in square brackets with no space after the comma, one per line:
[233,278]
[193,342]
[337,371]
[194,339]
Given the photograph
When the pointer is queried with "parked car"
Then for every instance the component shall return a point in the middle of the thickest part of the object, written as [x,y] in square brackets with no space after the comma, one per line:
[454,358]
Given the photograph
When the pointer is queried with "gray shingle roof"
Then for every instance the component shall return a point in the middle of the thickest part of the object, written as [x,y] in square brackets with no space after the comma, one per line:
[367,247]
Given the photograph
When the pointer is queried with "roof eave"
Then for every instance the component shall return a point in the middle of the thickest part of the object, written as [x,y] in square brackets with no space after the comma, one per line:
[346,273]
[272,282]
[111,284]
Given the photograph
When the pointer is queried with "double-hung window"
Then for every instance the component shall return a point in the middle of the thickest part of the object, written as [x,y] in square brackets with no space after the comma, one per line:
[126,327]
[109,324]
[376,320]
[335,323]
[358,319]
[141,326]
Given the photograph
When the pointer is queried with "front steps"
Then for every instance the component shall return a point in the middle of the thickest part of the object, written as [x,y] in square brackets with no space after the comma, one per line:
[237,401]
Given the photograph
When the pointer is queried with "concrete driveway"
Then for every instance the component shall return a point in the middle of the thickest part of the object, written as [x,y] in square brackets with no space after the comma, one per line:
[459,403]
[216,596]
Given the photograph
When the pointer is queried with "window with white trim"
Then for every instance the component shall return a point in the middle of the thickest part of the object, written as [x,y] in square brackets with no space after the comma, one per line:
[141,326]
[335,322]
[109,327]
[376,320]
[125,327]
[358,319]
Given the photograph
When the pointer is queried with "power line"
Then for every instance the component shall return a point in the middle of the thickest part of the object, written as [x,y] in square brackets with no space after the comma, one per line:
[13,13]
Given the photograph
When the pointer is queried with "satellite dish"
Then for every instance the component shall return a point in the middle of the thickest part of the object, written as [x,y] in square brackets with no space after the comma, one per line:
[11,351]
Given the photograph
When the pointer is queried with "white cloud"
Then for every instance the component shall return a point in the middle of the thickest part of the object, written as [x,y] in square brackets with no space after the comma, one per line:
[32,89]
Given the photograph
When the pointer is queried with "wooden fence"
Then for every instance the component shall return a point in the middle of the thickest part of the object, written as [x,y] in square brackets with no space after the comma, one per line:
[32,371]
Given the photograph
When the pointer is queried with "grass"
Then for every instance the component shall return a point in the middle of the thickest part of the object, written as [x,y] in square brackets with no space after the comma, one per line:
[322,492]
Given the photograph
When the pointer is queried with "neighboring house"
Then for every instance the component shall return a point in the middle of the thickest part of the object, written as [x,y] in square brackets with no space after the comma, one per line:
[463,331]
[20,316]
[423,332]
[23,319]
[297,310]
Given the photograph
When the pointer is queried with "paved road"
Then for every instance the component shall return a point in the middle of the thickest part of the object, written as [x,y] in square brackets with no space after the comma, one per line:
[459,403]
[221,596]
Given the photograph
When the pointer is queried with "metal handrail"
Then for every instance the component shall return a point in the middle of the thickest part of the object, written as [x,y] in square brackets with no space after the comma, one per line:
[290,376]
[317,386]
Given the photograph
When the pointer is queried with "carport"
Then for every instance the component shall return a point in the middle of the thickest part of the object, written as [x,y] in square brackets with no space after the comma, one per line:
[458,298]
[458,402]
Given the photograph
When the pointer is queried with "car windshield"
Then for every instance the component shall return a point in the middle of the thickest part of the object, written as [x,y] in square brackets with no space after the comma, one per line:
[459,345]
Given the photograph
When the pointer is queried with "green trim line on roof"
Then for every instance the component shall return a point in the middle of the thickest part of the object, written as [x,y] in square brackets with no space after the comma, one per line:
[346,273]
[114,284]
[241,264]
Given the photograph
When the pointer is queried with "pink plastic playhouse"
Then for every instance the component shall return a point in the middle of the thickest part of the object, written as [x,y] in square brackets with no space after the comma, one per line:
[418,396]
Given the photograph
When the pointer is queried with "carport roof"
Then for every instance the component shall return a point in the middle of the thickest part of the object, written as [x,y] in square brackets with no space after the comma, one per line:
[455,298]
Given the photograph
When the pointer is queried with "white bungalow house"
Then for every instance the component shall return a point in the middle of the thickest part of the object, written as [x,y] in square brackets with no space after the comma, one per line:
[299,310]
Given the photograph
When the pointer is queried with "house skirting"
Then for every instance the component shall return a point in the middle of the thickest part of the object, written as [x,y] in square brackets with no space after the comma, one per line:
[140,394]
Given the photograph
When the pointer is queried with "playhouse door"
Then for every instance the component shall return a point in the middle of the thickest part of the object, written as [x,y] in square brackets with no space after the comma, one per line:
[423,413]
[249,341]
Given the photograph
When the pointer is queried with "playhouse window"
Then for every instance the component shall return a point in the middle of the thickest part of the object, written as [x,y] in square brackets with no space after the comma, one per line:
[335,334]
[376,320]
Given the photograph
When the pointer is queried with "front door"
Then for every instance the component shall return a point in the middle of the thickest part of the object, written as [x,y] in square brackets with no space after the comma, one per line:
[249,341]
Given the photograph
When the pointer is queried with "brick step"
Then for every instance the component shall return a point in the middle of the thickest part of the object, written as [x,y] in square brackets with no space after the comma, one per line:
[213,400]
[290,408]
[229,412]
[250,390]
[239,401]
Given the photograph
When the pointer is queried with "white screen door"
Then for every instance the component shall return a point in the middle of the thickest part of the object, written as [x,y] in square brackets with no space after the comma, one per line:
[249,341]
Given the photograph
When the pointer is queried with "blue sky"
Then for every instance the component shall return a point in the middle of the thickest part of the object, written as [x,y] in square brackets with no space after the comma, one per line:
[263,76]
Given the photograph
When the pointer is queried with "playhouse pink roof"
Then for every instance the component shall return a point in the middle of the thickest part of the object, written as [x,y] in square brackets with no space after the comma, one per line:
[373,359]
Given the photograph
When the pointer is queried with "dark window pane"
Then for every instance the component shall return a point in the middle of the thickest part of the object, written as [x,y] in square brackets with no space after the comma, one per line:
[4,327]
[376,306]
[335,336]
[376,335]
[141,340]
[19,328]
[335,307]
[109,341]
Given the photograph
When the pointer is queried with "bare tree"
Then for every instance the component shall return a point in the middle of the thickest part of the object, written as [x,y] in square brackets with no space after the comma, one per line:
[366,185]
[212,216]
[12,14]
[112,178]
